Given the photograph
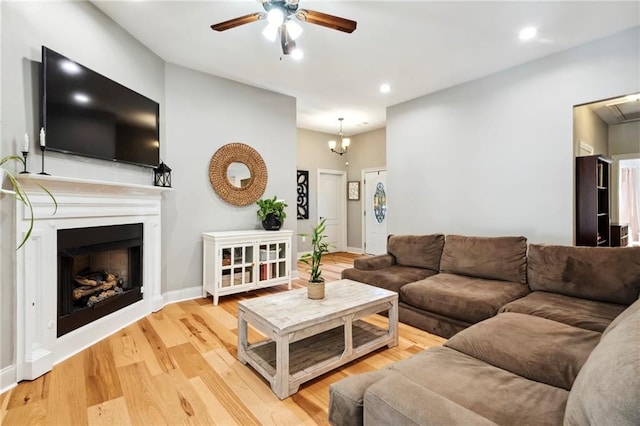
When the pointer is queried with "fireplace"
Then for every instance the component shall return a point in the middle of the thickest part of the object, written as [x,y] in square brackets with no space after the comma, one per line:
[110,209]
[99,272]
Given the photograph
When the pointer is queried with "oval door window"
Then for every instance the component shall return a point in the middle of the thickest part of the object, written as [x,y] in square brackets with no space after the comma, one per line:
[380,203]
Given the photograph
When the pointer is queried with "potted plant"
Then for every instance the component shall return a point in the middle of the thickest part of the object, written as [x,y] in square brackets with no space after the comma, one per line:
[319,245]
[19,193]
[271,213]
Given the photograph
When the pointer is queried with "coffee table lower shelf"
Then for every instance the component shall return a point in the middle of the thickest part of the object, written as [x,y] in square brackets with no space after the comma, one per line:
[318,354]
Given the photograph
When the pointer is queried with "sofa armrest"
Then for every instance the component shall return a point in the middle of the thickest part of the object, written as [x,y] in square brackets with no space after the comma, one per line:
[374,262]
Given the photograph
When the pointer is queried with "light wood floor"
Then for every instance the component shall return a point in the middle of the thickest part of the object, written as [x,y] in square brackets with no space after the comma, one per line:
[179,366]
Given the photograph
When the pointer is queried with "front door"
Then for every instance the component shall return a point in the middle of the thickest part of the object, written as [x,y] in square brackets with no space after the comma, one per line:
[375,201]
[332,206]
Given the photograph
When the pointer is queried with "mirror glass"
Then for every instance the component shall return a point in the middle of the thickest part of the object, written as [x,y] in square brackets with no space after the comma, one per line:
[238,174]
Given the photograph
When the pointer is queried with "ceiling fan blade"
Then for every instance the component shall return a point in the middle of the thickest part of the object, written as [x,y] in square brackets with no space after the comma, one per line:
[236,22]
[326,20]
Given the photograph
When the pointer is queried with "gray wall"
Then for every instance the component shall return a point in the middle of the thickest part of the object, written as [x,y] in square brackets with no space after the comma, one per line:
[313,154]
[495,156]
[591,129]
[368,150]
[624,138]
[203,113]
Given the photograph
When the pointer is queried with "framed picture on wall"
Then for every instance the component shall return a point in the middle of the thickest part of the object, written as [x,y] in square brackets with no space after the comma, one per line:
[353,190]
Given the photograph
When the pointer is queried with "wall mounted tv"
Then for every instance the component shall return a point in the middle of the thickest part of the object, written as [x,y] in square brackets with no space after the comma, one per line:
[85,113]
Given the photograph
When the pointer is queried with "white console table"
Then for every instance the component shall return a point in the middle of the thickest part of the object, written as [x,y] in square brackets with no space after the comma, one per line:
[237,261]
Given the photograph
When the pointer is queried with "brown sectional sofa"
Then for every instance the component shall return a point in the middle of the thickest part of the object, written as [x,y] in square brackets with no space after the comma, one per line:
[567,353]
[465,279]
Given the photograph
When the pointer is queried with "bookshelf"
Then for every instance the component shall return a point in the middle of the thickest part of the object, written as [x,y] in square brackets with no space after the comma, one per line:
[593,207]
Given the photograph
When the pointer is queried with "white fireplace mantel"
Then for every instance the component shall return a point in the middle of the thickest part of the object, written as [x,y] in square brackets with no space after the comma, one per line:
[81,203]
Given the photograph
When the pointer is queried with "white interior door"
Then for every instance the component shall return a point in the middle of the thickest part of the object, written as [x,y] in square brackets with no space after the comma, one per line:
[375,201]
[332,206]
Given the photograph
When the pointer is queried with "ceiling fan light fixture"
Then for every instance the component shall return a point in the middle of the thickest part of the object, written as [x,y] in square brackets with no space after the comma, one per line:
[293,29]
[270,32]
[275,16]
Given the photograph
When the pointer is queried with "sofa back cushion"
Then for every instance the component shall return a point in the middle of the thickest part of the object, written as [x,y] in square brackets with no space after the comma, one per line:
[419,251]
[607,274]
[494,258]
[607,388]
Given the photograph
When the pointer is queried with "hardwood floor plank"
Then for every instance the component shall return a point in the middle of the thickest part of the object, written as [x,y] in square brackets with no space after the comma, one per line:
[67,398]
[109,413]
[157,344]
[215,408]
[100,373]
[32,391]
[189,360]
[233,404]
[179,366]
[144,405]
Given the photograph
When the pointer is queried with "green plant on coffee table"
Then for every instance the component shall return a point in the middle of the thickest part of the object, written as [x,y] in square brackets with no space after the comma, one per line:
[319,247]
[20,195]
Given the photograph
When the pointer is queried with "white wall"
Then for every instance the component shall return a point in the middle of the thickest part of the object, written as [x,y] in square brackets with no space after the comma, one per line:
[588,127]
[495,156]
[203,113]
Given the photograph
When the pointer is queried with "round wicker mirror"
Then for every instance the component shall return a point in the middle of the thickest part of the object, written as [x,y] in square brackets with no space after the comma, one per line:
[252,188]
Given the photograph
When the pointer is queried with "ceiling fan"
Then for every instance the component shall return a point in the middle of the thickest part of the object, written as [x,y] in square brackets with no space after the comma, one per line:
[279,15]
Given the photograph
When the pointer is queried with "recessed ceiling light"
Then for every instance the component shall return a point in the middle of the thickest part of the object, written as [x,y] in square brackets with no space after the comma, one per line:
[385,88]
[528,33]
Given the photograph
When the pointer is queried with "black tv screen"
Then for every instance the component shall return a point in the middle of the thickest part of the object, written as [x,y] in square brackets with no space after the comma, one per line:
[85,113]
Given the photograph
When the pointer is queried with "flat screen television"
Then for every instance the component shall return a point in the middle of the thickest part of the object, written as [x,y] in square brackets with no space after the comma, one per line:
[88,114]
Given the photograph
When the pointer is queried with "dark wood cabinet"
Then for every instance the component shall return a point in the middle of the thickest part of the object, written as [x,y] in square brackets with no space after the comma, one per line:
[619,235]
[593,201]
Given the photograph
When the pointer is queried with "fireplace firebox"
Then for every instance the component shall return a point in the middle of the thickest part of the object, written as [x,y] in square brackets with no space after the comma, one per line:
[99,272]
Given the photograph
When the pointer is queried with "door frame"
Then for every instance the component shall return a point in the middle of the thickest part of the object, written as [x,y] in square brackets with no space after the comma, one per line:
[342,195]
[363,237]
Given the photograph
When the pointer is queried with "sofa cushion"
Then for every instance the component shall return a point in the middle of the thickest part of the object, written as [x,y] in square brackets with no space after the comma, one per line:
[583,313]
[536,348]
[391,278]
[497,258]
[397,401]
[606,274]
[440,325]
[419,251]
[607,389]
[495,394]
[463,298]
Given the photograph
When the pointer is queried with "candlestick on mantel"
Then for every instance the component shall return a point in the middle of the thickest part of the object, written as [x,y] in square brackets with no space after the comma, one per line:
[25,153]
[42,138]
[26,142]
[43,148]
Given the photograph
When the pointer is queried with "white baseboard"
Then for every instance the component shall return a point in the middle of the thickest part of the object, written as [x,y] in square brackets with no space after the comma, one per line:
[183,294]
[8,378]
[356,250]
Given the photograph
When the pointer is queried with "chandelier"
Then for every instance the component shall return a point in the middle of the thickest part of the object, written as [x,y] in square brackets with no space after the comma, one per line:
[344,142]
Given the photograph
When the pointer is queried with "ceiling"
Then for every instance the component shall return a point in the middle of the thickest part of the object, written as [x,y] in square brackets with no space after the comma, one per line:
[624,109]
[418,47]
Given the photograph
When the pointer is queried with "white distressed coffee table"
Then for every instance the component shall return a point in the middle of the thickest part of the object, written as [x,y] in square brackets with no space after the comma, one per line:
[307,338]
